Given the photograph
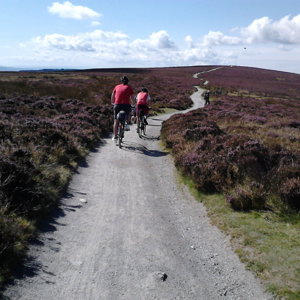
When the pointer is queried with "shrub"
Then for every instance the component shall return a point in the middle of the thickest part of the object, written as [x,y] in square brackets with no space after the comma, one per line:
[14,232]
[41,140]
[248,196]
[238,138]
[290,192]
[201,130]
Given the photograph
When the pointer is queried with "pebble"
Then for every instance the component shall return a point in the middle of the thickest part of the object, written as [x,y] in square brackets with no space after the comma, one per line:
[162,276]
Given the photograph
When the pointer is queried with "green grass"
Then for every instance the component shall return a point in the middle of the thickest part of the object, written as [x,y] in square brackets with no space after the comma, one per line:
[14,231]
[268,243]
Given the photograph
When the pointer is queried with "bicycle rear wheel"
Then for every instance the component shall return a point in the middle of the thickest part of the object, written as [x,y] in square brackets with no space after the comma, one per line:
[139,129]
[120,134]
[144,126]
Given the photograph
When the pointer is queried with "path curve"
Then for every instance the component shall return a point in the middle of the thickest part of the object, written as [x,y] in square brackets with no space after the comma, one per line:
[128,230]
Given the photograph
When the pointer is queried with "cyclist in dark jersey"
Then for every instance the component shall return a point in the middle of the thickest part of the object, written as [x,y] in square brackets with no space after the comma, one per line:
[206,97]
[122,99]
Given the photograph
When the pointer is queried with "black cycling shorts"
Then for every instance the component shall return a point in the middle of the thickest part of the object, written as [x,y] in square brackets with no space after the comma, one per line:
[119,107]
[144,108]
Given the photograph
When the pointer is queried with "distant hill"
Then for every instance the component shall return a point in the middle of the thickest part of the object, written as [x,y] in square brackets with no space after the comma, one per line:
[51,70]
[2,68]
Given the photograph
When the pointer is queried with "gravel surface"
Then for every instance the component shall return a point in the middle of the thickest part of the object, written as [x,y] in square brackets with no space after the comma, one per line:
[128,230]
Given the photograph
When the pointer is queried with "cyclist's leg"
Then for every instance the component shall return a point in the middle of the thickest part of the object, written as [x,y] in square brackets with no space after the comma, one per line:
[133,118]
[146,113]
[129,117]
[117,108]
[127,108]
[137,116]
[116,127]
[143,112]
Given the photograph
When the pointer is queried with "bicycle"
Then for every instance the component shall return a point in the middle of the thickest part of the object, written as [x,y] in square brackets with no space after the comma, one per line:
[122,116]
[141,124]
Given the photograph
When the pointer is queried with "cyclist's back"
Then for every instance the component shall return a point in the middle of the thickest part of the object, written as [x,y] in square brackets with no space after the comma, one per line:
[121,98]
[142,100]
[122,94]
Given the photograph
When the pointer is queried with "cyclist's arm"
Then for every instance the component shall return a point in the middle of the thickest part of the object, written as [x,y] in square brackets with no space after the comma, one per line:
[132,100]
[112,98]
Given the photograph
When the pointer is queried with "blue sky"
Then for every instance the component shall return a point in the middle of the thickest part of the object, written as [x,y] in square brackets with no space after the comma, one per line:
[156,33]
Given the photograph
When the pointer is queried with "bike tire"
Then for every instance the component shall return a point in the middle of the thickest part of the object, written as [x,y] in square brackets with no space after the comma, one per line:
[144,127]
[120,135]
[139,130]
[120,142]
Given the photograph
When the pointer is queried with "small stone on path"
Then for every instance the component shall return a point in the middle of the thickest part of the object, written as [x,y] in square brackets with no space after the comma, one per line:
[161,275]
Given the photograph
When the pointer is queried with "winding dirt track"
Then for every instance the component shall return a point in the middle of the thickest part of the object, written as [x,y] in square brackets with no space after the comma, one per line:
[140,235]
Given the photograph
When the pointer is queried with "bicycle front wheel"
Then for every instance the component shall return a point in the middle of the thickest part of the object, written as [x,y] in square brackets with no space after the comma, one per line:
[144,128]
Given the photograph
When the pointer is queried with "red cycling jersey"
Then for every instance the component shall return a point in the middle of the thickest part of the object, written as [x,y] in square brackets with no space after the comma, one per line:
[142,98]
[122,94]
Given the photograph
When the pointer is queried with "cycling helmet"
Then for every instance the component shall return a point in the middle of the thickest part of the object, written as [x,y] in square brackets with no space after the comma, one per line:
[124,79]
[144,90]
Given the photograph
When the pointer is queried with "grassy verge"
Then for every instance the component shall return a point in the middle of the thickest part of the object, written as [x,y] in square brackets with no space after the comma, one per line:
[266,242]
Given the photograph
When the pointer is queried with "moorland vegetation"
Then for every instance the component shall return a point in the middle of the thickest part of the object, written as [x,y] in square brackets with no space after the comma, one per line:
[49,121]
[246,146]
[241,153]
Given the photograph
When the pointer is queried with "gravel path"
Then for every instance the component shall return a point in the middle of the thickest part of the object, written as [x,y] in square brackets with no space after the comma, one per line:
[128,230]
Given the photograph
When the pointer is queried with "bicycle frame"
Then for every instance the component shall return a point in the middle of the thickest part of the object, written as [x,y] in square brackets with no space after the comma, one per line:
[122,116]
[141,125]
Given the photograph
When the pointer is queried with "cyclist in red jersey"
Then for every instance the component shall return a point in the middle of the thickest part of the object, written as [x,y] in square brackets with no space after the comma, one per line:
[142,100]
[122,99]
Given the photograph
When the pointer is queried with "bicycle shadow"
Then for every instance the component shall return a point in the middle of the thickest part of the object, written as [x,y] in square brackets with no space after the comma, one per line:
[157,119]
[154,125]
[140,149]
[150,137]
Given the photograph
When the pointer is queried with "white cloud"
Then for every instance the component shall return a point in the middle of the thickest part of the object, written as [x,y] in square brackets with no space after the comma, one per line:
[86,42]
[284,31]
[99,48]
[157,40]
[189,40]
[68,10]
[285,48]
[62,42]
[161,40]
[216,38]
[116,48]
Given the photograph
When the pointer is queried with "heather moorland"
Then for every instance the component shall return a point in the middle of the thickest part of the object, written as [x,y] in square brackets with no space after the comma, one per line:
[241,153]
[49,122]
[245,145]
